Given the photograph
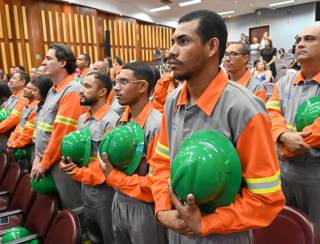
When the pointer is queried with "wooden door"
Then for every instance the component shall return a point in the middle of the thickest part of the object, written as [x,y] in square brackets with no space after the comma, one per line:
[258,32]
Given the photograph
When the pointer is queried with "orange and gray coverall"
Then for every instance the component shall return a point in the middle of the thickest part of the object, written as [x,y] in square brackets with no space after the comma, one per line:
[233,111]
[133,208]
[300,174]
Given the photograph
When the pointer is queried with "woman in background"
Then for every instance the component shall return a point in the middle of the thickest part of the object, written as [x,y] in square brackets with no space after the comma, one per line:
[268,54]
[262,73]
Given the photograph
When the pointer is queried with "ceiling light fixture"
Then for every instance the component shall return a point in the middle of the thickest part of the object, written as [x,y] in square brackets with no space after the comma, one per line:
[189,3]
[227,12]
[281,3]
[166,7]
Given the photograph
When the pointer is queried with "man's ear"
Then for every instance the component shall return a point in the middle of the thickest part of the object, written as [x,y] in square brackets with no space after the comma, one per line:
[63,63]
[144,87]
[213,46]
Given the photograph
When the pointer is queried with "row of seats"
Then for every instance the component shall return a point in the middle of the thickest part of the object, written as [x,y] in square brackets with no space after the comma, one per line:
[21,206]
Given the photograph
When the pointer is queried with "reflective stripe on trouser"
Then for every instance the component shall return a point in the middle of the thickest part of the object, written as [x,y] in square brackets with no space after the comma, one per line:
[97,211]
[300,183]
[232,238]
[69,190]
[134,223]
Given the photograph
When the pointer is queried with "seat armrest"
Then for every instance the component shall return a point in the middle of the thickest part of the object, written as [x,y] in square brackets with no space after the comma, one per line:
[25,239]
[3,193]
[10,213]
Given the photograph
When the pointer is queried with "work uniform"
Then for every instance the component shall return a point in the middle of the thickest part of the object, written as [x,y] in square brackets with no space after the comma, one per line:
[300,174]
[21,137]
[80,78]
[58,117]
[133,208]
[15,104]
[252,84]
[97,196]
[230,109]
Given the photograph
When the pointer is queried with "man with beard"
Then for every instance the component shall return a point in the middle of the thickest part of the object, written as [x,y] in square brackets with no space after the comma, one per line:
[300,169]
[96,195]
[83,64]
[209,101]
[133,209]
[14,105]
[236,59]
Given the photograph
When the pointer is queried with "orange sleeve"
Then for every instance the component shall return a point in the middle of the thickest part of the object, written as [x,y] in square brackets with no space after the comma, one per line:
[159,171]
[261,94]
[66,120]
[261,199]
[25,138]
[135,186]
[160,92]
[111,96]
[278,121]
[313,140]
[90,175]
[14,118]
[13,136]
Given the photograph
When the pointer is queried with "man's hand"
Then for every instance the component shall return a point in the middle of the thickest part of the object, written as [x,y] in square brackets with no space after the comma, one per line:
[172,220]
[188,211]
[294,141]
[105,164]
[67,166]
[37,170]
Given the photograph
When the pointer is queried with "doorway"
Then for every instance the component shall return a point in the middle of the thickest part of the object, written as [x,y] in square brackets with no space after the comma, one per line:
[258,32]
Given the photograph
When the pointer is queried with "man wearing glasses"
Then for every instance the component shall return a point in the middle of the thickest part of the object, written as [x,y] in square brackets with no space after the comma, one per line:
[235,62]
[300,168]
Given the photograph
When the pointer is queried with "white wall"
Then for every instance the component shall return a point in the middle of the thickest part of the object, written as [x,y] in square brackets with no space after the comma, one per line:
[285,23]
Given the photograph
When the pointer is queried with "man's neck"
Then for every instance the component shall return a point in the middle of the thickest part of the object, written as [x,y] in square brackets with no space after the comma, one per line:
[95,107]
[309,70]
[198,84]
[19,90]
[138,106]
[235,76]
[58,77]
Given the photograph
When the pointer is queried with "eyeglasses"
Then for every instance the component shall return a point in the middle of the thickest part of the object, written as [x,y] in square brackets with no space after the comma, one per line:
[124,82]
[232,54]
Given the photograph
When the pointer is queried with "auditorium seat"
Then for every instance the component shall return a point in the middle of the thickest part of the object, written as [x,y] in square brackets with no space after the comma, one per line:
[291,226]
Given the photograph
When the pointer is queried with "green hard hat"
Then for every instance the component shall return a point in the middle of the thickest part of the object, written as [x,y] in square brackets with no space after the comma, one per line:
[307,112]
[4,114]
[16,233]
[208,166]
[44,185]
[23,153]
[77,146]
[124,146]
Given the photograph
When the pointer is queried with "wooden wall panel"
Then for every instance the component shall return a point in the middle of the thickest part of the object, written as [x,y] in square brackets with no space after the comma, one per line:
[27,27]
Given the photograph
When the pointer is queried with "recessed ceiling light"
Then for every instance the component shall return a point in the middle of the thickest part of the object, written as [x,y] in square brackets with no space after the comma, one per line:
[251,5]
[227,12]
[236,1]
[166,7]
[189,3]
[281,3]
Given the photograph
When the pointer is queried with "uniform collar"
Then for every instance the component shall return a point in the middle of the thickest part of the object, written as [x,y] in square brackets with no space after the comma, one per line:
[142,117]
[209,98]
[98,115]
[84,72]
[245,78]
[33,103]
[18,94]
[299,78]
[63,83]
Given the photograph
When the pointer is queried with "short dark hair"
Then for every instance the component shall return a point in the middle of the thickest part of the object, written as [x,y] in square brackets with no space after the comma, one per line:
[244,49]
[86,58]
[210,25]
[142,71]
[23,76]
[1,74]
[20,67]
[64,53]
[119,60]
[4,90]
[103,79]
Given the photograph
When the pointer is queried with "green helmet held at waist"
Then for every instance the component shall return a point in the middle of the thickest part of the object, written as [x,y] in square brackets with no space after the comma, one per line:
[124,146]
[208,166]
[44,185]
[77,146]
[23,153]
[17,233]
[4,114]
[307,112]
